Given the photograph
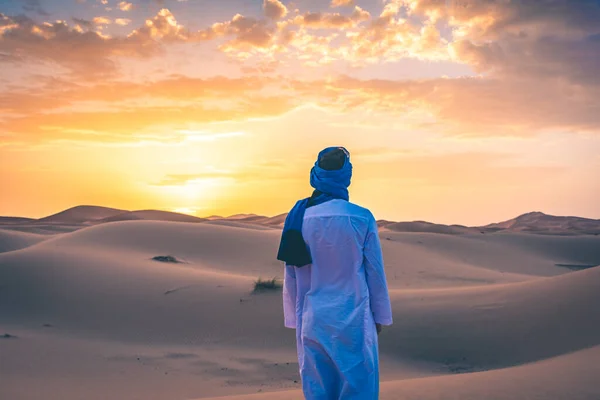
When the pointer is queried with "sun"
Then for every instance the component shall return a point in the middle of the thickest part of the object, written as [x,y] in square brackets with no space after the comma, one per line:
[194,195]
[186,210]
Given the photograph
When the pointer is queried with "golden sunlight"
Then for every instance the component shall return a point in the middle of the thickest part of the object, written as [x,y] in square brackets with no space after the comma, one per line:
[171,226]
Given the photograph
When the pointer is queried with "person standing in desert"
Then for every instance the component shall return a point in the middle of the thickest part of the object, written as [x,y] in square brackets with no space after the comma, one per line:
[335,293]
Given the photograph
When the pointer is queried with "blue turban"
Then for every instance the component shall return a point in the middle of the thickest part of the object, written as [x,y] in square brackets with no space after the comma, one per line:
[328,185]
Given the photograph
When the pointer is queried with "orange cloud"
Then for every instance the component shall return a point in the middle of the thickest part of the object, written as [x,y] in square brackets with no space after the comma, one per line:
[485,35]
[82,23]
[319,20]
[382,39]
[540,80]
[174,107]
[341,3]
[473,106]
[64,94]
[248,31]
[101,20]
[457,107]
[122,21]
[385,38]
[274,9]
[162,26]
[125,6]
[85,52]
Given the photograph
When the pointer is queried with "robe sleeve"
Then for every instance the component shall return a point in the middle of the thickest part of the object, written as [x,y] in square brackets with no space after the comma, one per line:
[289,296]
[378,290]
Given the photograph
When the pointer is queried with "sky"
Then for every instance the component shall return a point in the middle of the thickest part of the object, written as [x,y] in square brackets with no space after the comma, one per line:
[454,111]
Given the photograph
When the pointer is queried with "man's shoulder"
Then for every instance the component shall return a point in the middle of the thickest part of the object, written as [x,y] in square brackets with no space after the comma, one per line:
[340,207]
[360,211]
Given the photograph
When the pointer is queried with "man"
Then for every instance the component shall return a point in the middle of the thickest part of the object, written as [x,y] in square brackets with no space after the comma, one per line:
[335,293]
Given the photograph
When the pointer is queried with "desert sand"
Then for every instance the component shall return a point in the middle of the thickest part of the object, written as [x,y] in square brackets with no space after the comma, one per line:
[86,313]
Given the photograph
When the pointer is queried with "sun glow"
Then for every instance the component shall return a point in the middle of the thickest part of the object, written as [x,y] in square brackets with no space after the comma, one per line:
[197,189]
[446,108]
[186,210]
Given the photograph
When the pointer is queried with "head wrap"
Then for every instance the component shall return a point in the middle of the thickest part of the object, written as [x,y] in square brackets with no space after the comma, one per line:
[328,185]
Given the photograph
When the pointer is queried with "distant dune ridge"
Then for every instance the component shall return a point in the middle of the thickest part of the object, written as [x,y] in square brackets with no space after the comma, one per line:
[15,220]
[150,215]
[422,226]
[87,312]
[534,222]
[537,222]
[81,214]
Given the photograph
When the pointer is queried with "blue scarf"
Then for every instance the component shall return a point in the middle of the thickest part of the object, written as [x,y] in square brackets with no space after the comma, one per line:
[328,185]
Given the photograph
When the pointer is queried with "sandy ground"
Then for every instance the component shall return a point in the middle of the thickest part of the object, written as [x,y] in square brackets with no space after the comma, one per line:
[88,314]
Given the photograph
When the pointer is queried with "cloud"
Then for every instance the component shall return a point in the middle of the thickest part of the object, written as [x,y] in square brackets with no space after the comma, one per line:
[556,40]
[537,66]
[162,26]
[354,38]
[469,106]
[83,23]
[101,20]
[358,39]
[466,107]
[495,18]
[125,6]
[121,125]
[56,94]
[78,48]
[390,37]
[493,36]
[57,111]
[274,9]
[341,3]
[91,54]
[322,20]
[248,34]
[457,170]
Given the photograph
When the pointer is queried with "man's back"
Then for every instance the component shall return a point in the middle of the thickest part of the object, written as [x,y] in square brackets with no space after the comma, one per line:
[338,300]
[335,293]
[335,233]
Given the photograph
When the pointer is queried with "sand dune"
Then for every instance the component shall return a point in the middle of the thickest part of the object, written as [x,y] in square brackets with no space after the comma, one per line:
[238,224]
[243,216]
[247,252]
[15,220]
[95,317]
[43,228]
[150,215]
[422,226]
[275,222]
[537,222]
[413,260]
[80,214]
[15,240]
[498,325]
[572,376]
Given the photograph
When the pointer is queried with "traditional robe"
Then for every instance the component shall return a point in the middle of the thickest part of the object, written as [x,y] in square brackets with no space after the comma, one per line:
[335,302]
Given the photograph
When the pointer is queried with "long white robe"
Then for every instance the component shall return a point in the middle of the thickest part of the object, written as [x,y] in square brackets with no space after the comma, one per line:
[335,302]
